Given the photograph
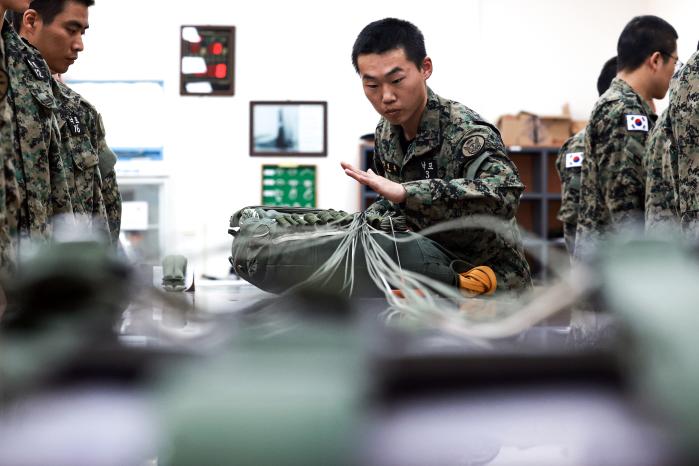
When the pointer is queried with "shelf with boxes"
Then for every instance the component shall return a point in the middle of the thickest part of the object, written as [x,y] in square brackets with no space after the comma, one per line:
[539,204]
[533,143]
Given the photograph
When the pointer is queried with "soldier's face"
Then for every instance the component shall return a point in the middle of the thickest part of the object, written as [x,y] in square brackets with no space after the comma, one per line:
[394,85]
[60,41]
[664,70]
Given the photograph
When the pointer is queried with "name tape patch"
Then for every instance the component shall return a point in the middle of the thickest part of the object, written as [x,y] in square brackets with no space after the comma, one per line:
[574,159]
[36,69]
[74,125]
[429,167]
[637,122]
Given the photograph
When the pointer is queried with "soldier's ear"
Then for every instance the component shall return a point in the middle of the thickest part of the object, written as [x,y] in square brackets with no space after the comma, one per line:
[426,68]
[30,20]
[656,60]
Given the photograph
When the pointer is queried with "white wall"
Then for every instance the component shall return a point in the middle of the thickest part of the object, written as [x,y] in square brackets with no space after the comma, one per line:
[496,56]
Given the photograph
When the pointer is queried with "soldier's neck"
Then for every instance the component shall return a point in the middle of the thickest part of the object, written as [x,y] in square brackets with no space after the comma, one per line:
[3,10]
[411,126]
[638,82]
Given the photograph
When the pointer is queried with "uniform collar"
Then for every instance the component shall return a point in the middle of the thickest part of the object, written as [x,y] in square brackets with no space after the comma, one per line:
[428,135]
[623,88]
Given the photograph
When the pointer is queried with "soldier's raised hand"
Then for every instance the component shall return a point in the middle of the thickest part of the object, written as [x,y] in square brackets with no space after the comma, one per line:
[394,192]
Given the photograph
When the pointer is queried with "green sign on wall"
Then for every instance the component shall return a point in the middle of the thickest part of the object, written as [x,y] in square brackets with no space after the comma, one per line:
[289,185]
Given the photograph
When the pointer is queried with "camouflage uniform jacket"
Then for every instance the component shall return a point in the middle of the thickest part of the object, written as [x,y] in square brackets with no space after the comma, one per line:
[612,183]
[43,188]
[79,125]
[660,202]
[450,138]
[684,118]
[8,182]
[568,165]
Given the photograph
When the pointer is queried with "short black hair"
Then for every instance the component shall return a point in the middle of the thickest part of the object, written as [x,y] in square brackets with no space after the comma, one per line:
[606,76]
[641,38]
[47,9]
[389,34]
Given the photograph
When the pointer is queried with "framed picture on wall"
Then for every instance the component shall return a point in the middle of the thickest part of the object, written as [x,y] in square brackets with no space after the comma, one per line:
[288,128]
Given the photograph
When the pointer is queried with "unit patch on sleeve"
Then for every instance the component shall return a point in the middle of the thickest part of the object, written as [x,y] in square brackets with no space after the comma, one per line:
[473,146]
[574,159]
[637,122]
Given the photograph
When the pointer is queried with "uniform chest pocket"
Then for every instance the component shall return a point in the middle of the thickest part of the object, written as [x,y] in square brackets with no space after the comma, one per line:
[45,102]
[80,149]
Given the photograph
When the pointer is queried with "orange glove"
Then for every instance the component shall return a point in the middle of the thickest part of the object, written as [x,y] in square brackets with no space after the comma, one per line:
[479,280]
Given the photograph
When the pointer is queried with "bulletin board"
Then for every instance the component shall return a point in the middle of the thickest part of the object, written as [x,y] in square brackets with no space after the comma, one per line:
[289,185]
[134,115]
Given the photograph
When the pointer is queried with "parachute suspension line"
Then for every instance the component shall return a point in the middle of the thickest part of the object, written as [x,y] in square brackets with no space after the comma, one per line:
[395,244]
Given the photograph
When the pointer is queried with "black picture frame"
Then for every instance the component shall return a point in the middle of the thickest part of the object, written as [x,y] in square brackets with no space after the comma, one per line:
[289,128]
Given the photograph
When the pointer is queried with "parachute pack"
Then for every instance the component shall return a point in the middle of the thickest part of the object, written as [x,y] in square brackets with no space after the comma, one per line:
[277,248]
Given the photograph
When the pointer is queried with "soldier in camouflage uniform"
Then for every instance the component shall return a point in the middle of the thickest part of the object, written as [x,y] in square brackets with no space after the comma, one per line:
[435,159]
[56,27]
[568,165]
[683,112]
[42,192]
[612,188]
[8,182]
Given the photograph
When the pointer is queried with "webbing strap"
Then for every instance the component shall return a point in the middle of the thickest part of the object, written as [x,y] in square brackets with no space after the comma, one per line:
[473,167]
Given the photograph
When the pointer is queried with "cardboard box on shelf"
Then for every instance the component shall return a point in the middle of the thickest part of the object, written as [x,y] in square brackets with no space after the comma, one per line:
[528,129]
[553,131]
[518,130]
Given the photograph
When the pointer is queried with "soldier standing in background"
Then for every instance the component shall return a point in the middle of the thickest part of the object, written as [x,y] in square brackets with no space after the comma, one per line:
[56,28]
[568,164]
[435,159]
[612,187]
[683,113]
[33,164]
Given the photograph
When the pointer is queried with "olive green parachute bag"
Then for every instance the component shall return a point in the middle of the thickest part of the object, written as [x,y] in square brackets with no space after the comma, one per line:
[276,248]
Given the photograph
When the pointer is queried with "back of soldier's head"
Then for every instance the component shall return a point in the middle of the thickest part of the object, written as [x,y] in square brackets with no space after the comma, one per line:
[641,38]
[47,10]
[607,74]
[389,34]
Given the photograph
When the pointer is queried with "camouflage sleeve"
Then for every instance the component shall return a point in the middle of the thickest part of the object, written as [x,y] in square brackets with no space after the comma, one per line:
[684,114]
[109,187]
[660,211]
[495,191]
[619,155]
[112,203]
[570,178]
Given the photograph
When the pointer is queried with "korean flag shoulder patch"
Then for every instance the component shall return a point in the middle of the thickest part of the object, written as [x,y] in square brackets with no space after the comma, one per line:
[574,159]
[637,122]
